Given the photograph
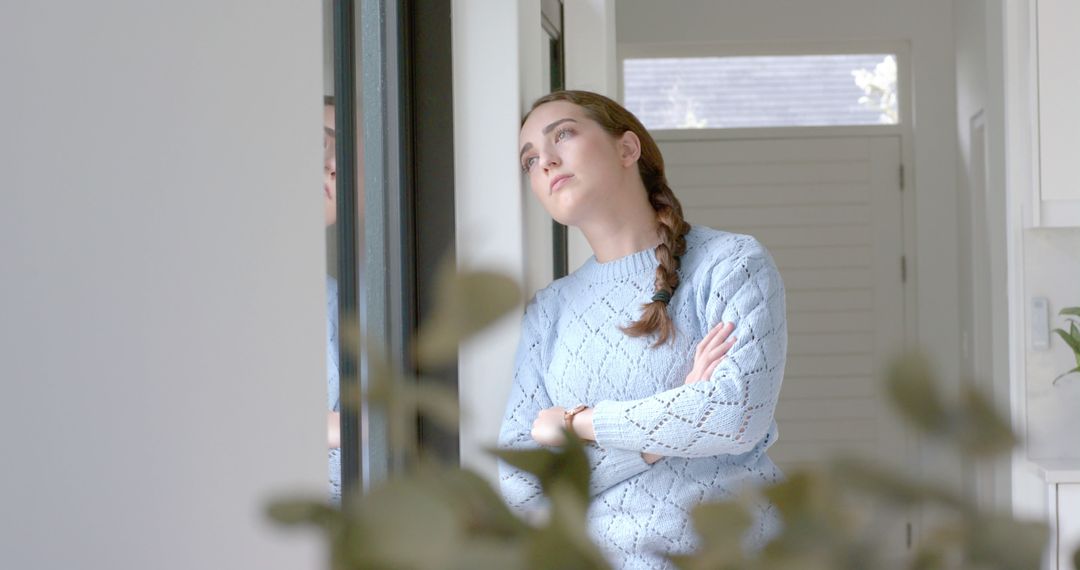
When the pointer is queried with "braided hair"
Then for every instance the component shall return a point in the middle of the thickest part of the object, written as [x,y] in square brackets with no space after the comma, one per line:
[616,120]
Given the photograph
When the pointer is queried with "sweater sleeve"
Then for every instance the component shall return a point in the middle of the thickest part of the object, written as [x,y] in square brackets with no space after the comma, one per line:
[528,396]
[732,411]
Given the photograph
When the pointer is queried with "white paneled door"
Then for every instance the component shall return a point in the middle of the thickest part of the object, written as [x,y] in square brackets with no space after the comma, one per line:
[829,210]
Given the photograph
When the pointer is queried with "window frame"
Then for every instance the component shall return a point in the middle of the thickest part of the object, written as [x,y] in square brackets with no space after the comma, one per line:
[901,50]
[391,59]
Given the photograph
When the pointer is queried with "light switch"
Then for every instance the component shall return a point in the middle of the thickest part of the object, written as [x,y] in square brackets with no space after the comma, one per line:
[1040,324]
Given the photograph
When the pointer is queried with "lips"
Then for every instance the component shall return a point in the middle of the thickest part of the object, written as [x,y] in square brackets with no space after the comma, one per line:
[560,181]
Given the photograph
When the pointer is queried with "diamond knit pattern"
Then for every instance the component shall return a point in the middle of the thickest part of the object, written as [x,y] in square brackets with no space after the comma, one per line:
[713,434]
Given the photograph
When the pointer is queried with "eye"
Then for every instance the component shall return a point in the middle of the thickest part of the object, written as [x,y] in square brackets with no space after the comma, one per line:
[527,165]
[559,135]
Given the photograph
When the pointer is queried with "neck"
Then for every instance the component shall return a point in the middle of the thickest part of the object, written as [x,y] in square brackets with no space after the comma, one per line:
[628,226]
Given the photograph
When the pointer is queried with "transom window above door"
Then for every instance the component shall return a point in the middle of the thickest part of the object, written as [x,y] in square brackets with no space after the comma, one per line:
[762,90]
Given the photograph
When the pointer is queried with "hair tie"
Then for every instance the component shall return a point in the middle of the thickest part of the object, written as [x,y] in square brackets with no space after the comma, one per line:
[662,296]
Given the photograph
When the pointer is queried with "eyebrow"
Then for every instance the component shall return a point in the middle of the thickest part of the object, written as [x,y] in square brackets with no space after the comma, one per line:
[546,130]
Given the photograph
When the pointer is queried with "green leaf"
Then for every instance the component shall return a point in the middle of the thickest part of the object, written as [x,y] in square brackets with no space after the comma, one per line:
[1000,542]
[1074,311]
[551,549]
[296,511]
[911,387]
[886,485]
[1075,334]
[1073,343]
[1077,369]
[568,513]
[721,521]
[574,465]
[565,542]
[550,465]
[982,431]
[407,523]
[540,462]
[721,527]
[490,553]
[465,304]
[480,508]
[808,505]
[437,403]
[929,558]
[800,492]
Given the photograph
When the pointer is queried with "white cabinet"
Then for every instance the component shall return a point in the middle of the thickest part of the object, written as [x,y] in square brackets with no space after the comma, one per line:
[1063,510]
[1068,523]
[1056,199]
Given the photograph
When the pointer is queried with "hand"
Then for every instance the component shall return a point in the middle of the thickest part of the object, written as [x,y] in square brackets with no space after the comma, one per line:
[651,458]
[333,430]
[711,351]
[548,426]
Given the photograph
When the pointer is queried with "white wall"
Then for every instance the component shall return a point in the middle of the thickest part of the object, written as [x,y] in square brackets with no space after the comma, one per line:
[1051,266]
[496,49]
[162,345]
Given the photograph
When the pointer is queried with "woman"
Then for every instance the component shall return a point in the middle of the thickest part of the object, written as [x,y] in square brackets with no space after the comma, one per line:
[664,351]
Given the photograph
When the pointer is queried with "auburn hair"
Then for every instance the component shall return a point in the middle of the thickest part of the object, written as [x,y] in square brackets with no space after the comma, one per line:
[616,120]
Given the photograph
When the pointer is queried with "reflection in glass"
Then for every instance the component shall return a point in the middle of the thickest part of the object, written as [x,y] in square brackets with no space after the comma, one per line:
[343,197]
[333,422]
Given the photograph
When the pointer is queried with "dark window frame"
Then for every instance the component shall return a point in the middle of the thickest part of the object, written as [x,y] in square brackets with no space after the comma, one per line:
[401,81]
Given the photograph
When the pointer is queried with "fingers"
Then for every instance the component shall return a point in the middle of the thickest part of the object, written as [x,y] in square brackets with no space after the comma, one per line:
[711,368]
[718,333]
[721,349]
[708,337]
[711,351]
[651,458]
[721,336]
[714,358]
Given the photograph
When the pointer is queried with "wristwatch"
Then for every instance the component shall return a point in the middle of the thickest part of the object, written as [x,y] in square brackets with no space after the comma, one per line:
[568,416]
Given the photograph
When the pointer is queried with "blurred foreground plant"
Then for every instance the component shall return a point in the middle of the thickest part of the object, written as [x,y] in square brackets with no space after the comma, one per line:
[833,517]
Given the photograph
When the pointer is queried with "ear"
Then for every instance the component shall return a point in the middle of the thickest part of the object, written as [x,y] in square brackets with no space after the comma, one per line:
[629,148]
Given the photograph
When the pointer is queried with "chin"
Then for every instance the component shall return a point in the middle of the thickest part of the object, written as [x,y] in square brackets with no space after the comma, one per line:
[569,214]
[566,220]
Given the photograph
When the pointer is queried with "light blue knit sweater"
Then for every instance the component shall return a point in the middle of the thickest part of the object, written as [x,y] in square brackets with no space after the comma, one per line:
[713,434]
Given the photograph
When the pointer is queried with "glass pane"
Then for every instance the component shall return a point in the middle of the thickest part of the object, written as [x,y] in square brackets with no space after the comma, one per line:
[762,91]
[342,194]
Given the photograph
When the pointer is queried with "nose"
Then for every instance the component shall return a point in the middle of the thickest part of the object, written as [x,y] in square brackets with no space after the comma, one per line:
[329,172]
[549,159]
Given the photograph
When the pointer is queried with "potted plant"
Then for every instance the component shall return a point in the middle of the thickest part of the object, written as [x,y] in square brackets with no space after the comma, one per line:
[1071,338]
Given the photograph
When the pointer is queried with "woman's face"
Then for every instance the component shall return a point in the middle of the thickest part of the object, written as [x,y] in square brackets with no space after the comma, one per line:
[574,166]
[329,167]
